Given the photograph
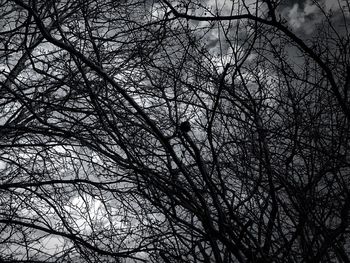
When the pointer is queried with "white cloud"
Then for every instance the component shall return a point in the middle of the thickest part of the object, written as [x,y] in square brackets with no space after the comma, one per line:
[221,6]
[307,16]
[296,18]
[310,8]
[331,5]
[2,165]
[82,209]
[304,18]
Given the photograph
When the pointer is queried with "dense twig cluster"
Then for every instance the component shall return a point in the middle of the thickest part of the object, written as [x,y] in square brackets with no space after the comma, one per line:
[173,131]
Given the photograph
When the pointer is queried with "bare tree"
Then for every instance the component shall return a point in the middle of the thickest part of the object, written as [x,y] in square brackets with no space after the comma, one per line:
[174,131]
